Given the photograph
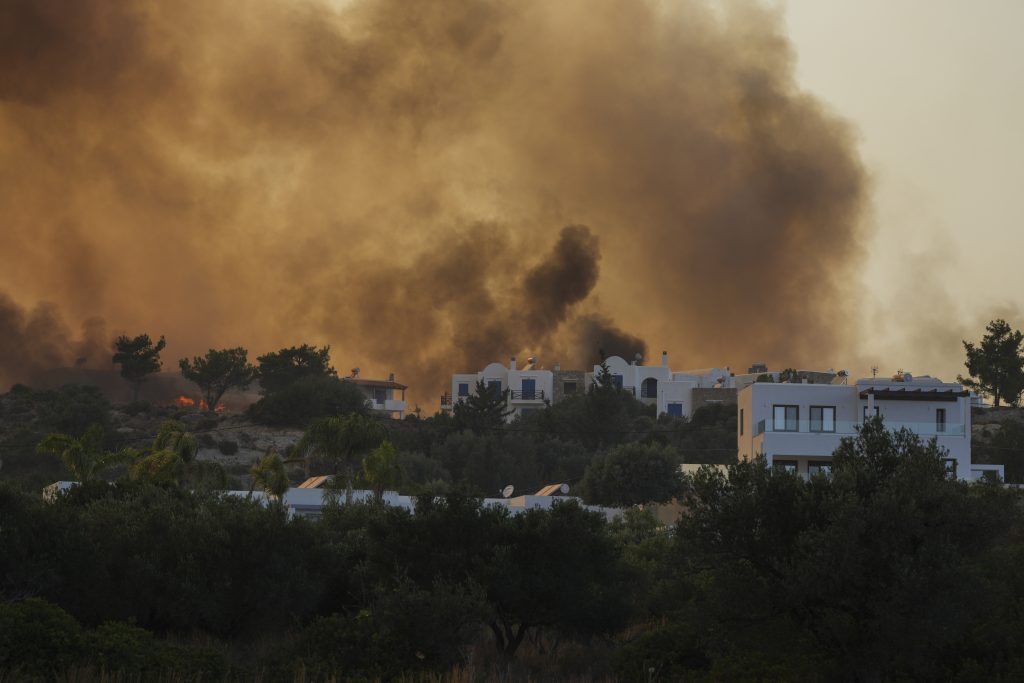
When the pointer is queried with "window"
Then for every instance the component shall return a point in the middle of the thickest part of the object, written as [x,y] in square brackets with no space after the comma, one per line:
[529,389]
[494,386]
[819,467]
[866,413]
[380,395]
[463,389]
[741,421]
[940,420]
[786,419]
[617,381]
[785,466]
[568,388]
[675,409]
[823,418]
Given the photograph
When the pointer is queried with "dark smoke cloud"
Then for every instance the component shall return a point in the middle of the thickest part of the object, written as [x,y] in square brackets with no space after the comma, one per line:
[389,177]
[36,343]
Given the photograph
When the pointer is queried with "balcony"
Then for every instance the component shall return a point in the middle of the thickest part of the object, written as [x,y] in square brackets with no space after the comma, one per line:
[447,401]
[849,428]
[535,395]
[390,405]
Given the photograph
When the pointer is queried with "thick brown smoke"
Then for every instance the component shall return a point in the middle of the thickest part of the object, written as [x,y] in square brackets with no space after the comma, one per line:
[391,177]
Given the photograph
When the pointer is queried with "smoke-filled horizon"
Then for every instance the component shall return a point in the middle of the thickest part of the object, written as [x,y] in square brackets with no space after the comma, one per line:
[427,187]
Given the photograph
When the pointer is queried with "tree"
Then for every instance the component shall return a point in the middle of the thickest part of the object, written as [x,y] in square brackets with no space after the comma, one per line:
[308,398]
[341,441]
[139,358]
[996,365]
[84,457]
[280,369]
[381,469]
[171,457]
[271,478]
[217,372]
[848,566]
[484,410]
[633,474]
[555,569]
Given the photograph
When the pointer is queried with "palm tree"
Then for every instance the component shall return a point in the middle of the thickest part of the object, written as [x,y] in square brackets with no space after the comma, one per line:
[170,457]
[341,440]
[83,457]
[381,470]
[269,474]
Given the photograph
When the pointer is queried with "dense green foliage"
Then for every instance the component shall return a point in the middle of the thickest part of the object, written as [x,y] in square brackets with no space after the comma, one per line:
[885,570]
[996,365]
[28,416]
[280,369]
[1003,443]
[632,475]
[217,372]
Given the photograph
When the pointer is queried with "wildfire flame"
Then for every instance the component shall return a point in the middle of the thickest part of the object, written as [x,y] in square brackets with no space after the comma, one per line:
[186,402]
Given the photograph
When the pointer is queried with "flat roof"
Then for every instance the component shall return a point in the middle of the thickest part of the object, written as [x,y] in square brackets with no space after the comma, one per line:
[380,383]
[938,393]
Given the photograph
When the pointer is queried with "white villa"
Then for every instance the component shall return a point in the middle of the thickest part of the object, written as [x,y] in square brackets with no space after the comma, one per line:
[529,389]
[672,392]
[383,396]
[798,426]
[532,388]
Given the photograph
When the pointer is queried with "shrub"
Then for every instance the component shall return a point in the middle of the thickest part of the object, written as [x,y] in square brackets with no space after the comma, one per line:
[38,638]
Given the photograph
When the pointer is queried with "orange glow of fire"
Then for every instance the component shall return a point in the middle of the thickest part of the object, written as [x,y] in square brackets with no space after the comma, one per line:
[186,402]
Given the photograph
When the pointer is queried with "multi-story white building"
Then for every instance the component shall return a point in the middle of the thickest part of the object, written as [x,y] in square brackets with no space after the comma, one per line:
[671,392]
[386,397]
[674,393]
[798,426]
[529,389]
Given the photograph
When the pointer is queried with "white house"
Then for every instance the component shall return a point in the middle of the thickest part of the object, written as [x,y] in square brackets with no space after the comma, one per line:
[672,392]
[799,426]
[529,388]
[309,502]
[383,396]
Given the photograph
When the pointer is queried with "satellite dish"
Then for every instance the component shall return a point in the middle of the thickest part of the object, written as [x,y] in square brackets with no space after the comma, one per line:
[355,372]
[639,356]
[907,377]
[507,491]
[564,488]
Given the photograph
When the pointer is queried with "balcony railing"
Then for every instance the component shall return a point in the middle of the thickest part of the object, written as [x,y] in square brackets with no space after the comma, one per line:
[849,428]
[534,395]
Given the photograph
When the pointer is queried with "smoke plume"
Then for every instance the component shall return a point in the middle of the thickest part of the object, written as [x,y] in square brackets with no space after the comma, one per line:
[395,178]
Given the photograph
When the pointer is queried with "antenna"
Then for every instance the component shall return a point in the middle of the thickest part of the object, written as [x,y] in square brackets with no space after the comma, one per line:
[874,371]
[507,491]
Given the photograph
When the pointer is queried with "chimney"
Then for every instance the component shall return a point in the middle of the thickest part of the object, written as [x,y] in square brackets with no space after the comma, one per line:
[664,359]
[558,366]
[512,363]
[391,377]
